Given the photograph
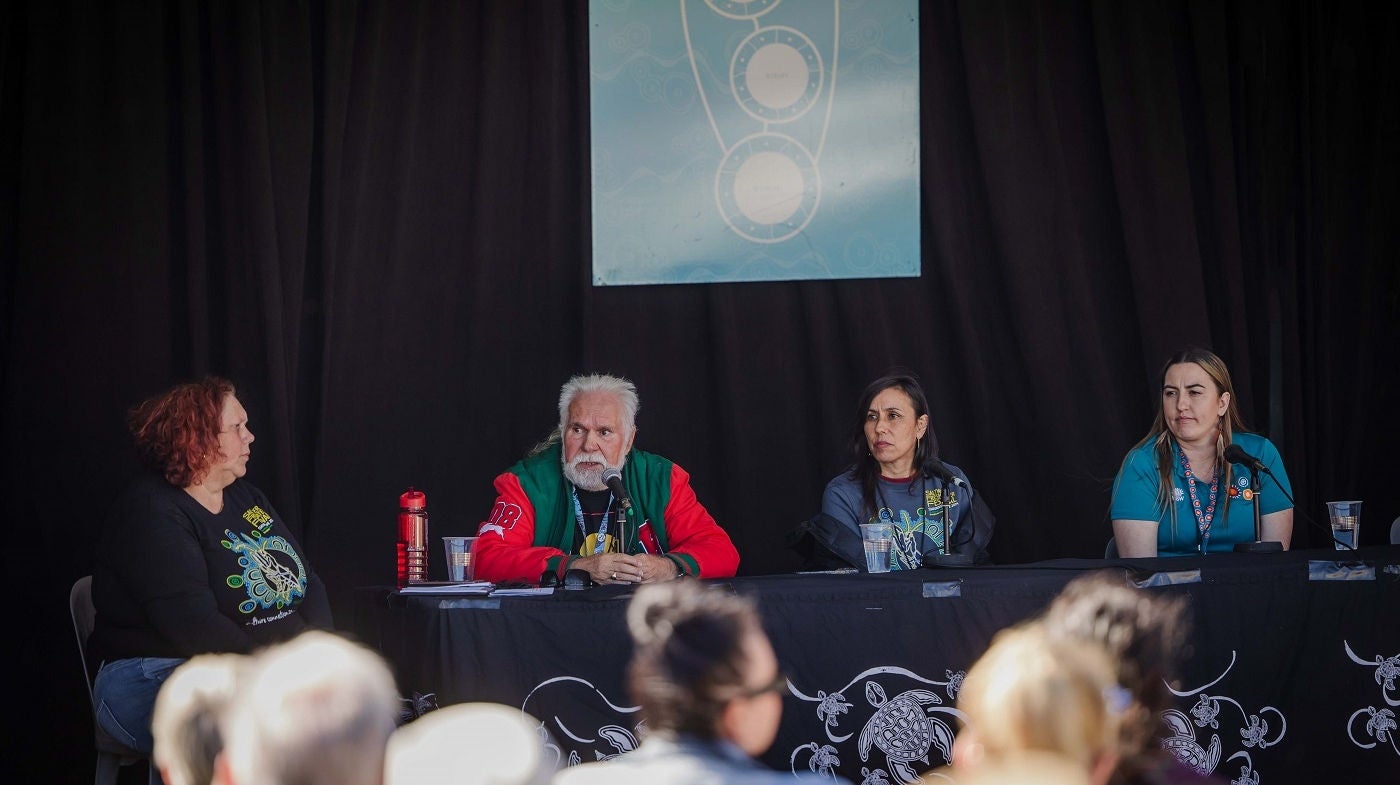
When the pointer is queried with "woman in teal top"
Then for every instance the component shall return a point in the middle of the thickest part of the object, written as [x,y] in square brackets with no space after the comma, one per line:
[1175,494]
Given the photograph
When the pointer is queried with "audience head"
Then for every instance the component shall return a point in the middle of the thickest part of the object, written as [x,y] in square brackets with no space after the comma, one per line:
[597,423]
[185,723]
[1028,768]
[1142,632]
[469,744]
[178,432]
[703,666]
[315,710]
[1034,694]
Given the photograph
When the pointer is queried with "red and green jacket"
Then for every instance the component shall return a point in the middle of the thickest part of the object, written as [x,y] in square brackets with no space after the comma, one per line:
[532,526]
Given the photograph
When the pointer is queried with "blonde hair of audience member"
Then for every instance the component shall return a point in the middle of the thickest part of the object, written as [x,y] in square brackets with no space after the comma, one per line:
[1024,768]
[1033,694]
[316,710]
[1143,633]
[702,666]
[185,721]
[469,744]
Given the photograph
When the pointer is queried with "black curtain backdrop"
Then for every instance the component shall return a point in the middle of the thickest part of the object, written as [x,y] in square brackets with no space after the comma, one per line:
[374,218]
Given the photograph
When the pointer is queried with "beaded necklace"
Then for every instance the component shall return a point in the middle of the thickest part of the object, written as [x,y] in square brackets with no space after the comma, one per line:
[1203,520]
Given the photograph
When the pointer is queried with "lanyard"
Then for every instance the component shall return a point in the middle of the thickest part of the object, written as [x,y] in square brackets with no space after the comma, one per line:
[602,540]
[1203,520]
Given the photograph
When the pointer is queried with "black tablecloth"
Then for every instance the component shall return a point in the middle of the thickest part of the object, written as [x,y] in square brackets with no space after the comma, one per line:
[1291,675]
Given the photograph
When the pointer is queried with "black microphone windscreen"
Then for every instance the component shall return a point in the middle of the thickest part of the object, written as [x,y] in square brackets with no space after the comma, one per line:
[943,473]
[1236,454]
[612,477]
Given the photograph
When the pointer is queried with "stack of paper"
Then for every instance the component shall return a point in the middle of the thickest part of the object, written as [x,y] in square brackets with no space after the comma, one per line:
[469,587]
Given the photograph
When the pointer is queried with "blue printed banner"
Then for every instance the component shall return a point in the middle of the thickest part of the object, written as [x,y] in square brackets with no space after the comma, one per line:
[754,140]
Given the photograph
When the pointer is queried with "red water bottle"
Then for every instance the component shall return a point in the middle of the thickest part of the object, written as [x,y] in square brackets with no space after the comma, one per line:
[412,549]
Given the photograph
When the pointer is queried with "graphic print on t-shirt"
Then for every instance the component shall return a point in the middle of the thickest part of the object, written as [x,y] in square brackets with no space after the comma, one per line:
[272,572]
[924,524]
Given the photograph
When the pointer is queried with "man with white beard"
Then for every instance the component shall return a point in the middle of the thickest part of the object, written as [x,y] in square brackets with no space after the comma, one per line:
[555,512]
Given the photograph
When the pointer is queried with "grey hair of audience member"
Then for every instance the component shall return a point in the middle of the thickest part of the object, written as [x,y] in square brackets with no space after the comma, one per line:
[185,722]
[470,744]
[621,389]
[316,710]
[1142,631]
[688,660]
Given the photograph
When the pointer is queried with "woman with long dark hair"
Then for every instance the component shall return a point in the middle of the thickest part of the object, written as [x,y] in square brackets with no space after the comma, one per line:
[896,476]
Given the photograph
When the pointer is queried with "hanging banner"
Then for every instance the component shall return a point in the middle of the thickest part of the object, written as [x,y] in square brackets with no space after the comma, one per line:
[754,140]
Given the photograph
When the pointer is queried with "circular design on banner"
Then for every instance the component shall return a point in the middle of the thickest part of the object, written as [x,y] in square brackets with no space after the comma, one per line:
[767,187]
[776,74]
[742,9]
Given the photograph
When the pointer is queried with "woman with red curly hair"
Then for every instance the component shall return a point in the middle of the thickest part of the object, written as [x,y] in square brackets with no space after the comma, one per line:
[193,559]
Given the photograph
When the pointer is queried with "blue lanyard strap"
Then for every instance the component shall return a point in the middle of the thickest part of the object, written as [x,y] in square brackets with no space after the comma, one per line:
[602,540]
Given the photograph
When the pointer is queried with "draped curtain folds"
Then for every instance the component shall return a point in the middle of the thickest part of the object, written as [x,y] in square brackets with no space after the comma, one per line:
[374,218]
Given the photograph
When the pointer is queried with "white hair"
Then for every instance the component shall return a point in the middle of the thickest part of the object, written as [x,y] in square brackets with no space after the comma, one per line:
[315,710]
[185,724]
[621,389]
[470,744]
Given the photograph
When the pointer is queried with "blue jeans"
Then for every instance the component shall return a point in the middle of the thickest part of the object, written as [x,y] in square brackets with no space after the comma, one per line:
[125,696]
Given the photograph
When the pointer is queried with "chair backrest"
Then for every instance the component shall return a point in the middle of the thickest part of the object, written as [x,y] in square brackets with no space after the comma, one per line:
[111,753]
[84,617]
[1395,531]
[1110,551]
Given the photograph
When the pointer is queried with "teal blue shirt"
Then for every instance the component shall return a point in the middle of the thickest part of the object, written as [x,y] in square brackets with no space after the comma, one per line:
[1135,498]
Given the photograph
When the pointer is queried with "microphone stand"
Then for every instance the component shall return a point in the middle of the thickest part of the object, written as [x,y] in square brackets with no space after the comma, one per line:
[950,559]
[1260,545]
[622,526]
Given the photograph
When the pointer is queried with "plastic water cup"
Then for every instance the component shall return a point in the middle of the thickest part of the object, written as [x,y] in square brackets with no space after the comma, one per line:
[878,537]
[1346,524]
[459,557]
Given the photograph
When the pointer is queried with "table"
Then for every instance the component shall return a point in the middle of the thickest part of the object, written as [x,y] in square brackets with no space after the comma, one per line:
[1291,675]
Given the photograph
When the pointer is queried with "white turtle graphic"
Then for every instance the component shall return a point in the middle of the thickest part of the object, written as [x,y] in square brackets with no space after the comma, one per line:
[1182,744]
[903,730]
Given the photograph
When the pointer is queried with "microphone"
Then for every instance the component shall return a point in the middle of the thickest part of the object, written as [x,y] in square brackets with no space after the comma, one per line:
[612,477]
[1236,454]
[951,559]
[940,470]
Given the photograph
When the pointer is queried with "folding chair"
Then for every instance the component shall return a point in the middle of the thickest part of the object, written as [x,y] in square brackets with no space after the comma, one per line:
[111,754]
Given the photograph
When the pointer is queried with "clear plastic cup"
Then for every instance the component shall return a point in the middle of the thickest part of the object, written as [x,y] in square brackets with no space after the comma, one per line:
[878,537]
[1346,524]
[459,557]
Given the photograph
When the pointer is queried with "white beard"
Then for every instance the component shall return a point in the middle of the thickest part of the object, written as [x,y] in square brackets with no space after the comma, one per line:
[587,479]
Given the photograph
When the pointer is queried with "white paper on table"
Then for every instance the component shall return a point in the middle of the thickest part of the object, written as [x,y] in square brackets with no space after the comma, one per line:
[529,591]
[470,587]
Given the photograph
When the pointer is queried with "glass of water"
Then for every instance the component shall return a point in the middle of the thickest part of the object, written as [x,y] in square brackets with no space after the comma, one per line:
[878,538]
[1346,524]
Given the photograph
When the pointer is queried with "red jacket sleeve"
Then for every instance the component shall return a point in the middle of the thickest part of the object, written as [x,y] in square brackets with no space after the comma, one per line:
[505,549]
[694,539]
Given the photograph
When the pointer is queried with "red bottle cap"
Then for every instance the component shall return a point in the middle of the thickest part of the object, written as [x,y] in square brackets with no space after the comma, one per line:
[413,500]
